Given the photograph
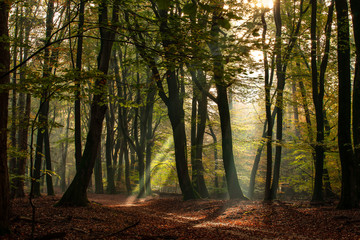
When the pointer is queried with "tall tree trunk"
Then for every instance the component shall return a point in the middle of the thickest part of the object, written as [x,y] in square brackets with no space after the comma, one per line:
[109,145]
[281,67]
[198,124]
[318,97]
[49,182]
[202,115]
[318,94]
[233,185]
[99,188]
[149,145]
[279,98]
[348,191]
[127,168]
[176,112]
[267,196]
[12,164]
[76,193]
[44,101]
[355,10]
[24,113]
[64,154]
[78,66]
[4,95]
[216,162]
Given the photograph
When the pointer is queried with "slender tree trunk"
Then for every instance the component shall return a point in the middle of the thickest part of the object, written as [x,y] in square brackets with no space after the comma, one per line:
[12,164]
[268,196]
[198,123]
[127,169]
[77,108]
[49,182]
[216,167]
[109,145]
[24,114]
[348,191]
[64,154]
[44,101]
[318,93]
[233,185]
[99,188]
[149,145]
[279,98]
[4,95]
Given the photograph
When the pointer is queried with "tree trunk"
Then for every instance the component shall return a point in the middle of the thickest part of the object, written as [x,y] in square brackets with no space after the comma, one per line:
[348,191]
[355,10]
[318,93]
[24,116]
[76,193]
[149,145]
[44,101]
[64,154]
[4,95]
[12,163]
[99,188]
[279,98]
[109,145]
[269,134]
[233,186]
[77,108]
[176,112]
[198,124]
[49,182]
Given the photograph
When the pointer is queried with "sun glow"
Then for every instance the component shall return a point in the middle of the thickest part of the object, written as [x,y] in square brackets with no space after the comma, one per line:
[265,3]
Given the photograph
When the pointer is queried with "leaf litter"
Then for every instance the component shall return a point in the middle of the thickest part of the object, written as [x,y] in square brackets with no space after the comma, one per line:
[169,217]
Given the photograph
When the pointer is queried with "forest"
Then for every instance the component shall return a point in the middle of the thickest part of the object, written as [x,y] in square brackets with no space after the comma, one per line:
[204,110]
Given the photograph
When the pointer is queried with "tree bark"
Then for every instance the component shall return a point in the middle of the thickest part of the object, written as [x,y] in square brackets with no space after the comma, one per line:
[77,108]
[76,193]
[99,187]
[24,114]
[49,182]
[355,10]
[348,192]
[4,95]
[176,112]
[267,196]
[64,154]
[44,101]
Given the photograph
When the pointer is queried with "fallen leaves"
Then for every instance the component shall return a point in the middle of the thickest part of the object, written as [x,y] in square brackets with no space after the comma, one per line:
[118,217]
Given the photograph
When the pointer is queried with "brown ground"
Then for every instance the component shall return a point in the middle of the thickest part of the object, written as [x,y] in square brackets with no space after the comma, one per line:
[118,217]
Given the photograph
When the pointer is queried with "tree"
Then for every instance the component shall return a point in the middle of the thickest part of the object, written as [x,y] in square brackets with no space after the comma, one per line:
[76,193]
[232,181]
[42,134]
[348,190]
[318,88]
[282,59]
[355,10]
[268,196]
[77,104]
[4,95]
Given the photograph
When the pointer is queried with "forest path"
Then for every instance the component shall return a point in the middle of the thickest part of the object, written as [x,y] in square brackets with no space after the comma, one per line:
[173,218]
[120,217]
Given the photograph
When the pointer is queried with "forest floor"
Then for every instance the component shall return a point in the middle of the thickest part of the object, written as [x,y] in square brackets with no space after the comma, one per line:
[119,217]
